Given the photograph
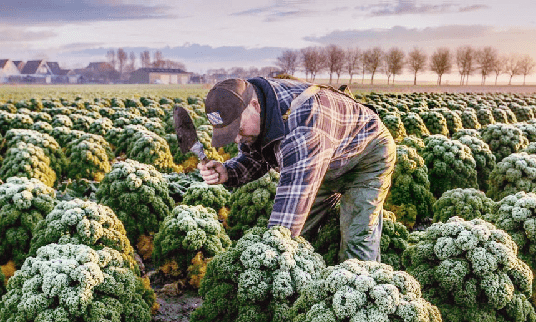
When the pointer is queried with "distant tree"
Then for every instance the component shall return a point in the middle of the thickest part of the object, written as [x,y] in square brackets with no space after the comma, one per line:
[526,66]
[334,61]
[499,66]
[110,55]
[416,62]
[441,63]
[394,62]
[132,64]
[313,61]
[145,59]
[238,72]
[373,60]
[168,63]
[253,72]
[268,71]
[122,58]
[465,57]
[158,61]
[288,61]
[512,67]
[352,60]
[485,59]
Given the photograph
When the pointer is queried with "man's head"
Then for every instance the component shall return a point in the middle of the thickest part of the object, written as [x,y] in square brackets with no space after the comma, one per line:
[225,105]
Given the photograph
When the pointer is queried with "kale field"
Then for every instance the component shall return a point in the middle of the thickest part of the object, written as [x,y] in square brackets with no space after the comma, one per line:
[102,218]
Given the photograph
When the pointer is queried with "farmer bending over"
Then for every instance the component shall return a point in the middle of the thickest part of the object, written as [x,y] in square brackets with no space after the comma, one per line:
[321,141]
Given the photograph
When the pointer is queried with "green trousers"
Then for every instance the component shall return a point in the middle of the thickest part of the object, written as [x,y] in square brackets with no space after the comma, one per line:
[363,184]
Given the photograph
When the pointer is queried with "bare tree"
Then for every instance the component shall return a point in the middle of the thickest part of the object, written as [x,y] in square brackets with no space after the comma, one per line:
[268,70]
[158,61]
[352,59]
[441,63]
[465,57]
[416,62]
[288,61]
[313,61]
[526,66]
[110,55]
[132,63]
[373,60]
[485,58]
[394,59]
[145,58]
[499,66]
[334,61]
[511,67]
[122,58]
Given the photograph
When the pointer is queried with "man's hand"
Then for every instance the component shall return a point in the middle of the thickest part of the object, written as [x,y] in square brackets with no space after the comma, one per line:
[213,172]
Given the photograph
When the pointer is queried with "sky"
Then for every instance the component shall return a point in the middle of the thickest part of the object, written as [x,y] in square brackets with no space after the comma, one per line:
[206,34]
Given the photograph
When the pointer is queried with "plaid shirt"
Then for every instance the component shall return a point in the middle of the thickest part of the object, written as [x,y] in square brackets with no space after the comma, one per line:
[324,132]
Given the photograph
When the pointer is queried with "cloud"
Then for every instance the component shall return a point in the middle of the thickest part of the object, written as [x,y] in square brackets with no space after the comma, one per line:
[54,11]
[9,35]
[401,34]
[473,8]
[411,7]
[281,10]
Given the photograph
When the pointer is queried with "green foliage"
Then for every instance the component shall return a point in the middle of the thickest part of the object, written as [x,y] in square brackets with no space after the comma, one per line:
[258,279]
[101,126]
[50,146]
[138,195]
[410,187]
[453,118]
[149,148]
[251,204]
[210,196]
[450,164]
[516,172]
[485,116]
[396,127]
[64,135]
[187,231]
[466,203]
[504,139]
[529,130]
[69,282]
[394,241]
[415,125]
[14,121]
[484,158]
[43,127]
[363,291]
[470,119]
[470,269]
[2,284]
[88,159]
[23,204]
[178,183]
[530,149]
[81,122]
[61,120]
[516,214]
[466,132]
[27,160]
[523,113]
[413,142]
[84,223]
[435,122]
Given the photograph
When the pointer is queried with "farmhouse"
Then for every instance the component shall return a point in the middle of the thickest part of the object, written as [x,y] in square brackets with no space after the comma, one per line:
[7,70]
[160,76]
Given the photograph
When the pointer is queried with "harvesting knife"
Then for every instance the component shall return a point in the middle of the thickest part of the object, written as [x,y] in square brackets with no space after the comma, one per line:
[186,133]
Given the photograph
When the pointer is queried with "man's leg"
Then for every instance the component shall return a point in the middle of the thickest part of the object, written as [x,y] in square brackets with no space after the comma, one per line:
[365,189]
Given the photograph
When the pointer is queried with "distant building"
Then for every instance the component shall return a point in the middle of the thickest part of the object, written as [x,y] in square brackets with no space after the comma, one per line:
[37,71]
[20,64]
[7,69]
[160,76]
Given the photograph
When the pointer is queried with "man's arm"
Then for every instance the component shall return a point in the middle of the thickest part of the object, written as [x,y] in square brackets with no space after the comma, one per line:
[305,154]
[247,166]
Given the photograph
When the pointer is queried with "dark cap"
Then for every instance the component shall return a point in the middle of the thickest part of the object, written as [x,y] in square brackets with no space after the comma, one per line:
[224,105]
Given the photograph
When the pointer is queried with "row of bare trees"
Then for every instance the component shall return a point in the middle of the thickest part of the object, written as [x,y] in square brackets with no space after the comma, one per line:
[124,63]
[336,60]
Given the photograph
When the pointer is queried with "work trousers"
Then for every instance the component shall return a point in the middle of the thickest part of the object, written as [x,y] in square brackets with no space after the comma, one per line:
[363,184]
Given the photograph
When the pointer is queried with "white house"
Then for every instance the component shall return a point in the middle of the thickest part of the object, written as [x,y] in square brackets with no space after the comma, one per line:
[7,69]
